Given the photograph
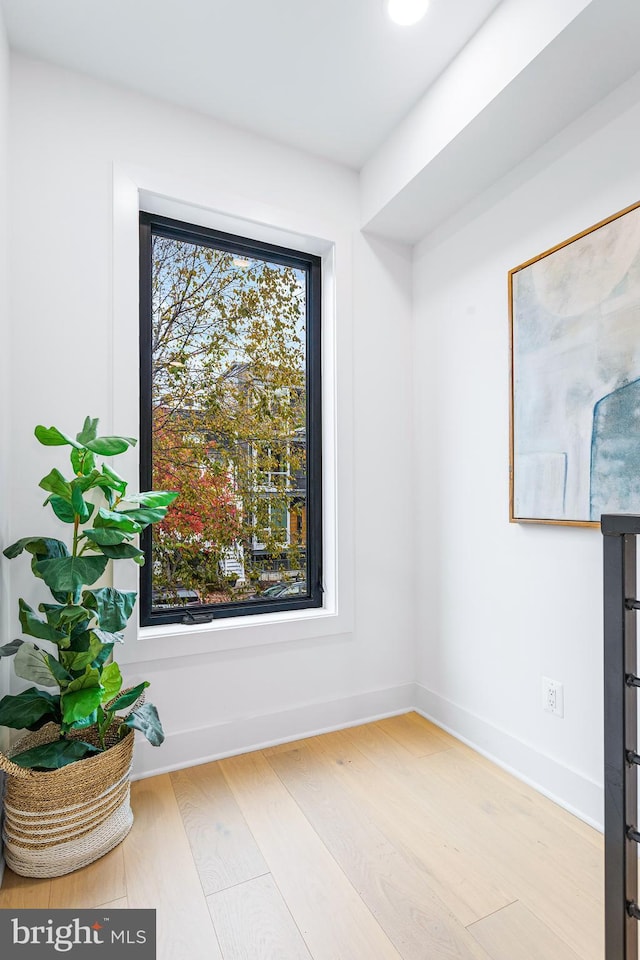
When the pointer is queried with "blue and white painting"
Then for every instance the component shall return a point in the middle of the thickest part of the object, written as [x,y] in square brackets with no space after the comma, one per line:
[576,378]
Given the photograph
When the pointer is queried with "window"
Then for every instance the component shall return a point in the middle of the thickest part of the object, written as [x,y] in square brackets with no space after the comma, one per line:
[230,417]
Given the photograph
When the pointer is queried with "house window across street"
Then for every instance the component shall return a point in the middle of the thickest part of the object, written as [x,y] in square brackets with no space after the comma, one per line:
[230,418]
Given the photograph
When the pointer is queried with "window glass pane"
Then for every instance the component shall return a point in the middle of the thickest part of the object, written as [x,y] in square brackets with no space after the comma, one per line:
[228,425]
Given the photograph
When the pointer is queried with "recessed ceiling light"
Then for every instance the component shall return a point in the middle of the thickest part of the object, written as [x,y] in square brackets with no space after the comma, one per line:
[406,12]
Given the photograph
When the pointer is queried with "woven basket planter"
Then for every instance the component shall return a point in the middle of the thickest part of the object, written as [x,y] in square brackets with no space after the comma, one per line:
[57,821]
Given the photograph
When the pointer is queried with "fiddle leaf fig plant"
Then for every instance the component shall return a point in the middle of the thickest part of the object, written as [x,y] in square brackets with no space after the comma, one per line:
[79,631]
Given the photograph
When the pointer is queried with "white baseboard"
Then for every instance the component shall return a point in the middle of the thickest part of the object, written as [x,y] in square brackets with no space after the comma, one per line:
[567,787]
[188,748]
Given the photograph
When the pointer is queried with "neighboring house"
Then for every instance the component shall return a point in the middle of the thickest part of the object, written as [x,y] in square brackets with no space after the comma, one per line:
[288,525]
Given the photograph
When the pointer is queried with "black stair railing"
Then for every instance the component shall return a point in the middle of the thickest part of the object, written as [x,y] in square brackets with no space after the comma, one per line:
[621,757]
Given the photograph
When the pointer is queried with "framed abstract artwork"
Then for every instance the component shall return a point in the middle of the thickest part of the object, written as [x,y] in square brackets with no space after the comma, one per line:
[575,377]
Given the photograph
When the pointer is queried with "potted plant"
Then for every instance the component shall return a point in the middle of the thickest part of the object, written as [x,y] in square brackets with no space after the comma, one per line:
[67,798]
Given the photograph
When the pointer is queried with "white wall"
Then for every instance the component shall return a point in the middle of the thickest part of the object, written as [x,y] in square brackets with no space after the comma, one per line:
[5,390]
[5,337]
[506,604]
[67,132]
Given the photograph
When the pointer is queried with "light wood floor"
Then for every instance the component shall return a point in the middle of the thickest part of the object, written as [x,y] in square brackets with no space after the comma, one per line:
[386,841]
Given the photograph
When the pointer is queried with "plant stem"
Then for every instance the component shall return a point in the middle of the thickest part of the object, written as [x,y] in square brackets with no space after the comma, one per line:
[76,524]
[74,553]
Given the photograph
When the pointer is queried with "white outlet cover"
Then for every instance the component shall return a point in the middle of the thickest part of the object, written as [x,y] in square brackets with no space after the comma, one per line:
[553,697]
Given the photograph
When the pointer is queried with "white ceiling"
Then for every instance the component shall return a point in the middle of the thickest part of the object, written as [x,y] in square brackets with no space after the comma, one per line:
[330,76]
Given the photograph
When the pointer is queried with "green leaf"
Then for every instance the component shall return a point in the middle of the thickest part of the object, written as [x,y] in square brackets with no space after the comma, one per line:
[31,664]
[111,681]
[89,679]
[145,515]
[33,626]
[89,431]
[52,437]
[118,521]
[77,660]
[88,481]
[29,710]
[112,484]
[123,551]
[68,574]
[145,718]
[60,614]
[52,756]
[10,649]
[82,461]
[42,548]
[128,697]
[110,446]
[62,509]
[62,676]
[80,703]
[113,480]
[55,483]
[80,638]
[153,498]
[104,537]
[82,696]
[107,636]
[103,655]
[87,721]
[113,607]
[78,504]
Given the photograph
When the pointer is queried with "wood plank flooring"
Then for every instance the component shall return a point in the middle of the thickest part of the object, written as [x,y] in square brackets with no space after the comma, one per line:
[389,841]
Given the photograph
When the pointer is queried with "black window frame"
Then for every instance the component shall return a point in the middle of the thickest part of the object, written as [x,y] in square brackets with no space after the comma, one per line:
[155,225]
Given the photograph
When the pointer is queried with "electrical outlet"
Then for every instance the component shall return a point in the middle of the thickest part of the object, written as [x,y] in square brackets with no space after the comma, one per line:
[553,696]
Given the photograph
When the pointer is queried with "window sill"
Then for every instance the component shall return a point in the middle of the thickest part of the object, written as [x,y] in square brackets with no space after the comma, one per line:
[170,640]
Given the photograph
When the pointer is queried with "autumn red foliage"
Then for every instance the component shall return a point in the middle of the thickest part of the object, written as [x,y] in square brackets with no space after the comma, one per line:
[205,521]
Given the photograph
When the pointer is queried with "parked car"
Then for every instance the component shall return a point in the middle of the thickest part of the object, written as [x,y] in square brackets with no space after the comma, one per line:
[285,590]
[167,597]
